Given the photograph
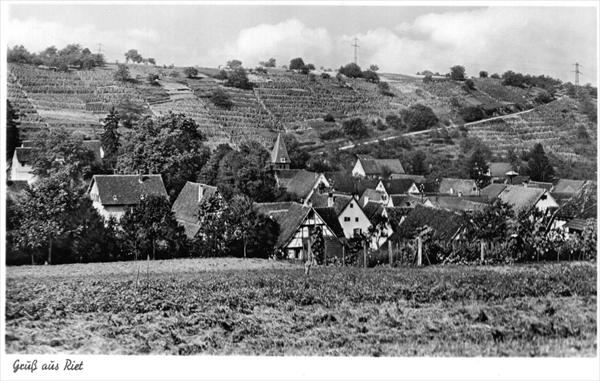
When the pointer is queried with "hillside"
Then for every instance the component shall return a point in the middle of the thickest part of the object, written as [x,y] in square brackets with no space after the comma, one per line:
[282,100]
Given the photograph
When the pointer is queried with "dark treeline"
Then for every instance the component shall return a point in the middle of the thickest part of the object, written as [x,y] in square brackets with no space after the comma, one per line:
[73,55]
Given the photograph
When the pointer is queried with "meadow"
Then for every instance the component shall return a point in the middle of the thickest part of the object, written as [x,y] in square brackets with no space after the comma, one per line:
[257,307]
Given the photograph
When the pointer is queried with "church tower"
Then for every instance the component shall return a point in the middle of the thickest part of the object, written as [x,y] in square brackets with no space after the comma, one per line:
[279,155]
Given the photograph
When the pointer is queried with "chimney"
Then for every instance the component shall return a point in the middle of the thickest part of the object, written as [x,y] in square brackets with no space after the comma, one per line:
[200,192]
[330,200]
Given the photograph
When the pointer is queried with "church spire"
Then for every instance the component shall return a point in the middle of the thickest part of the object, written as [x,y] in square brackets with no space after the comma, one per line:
[279,155]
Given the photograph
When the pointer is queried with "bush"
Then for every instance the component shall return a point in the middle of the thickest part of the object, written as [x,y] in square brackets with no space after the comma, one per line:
[457,73]
[325,76]
[332,134]
[238,78]
[122,73]
[469,85]
[355,128]
[544,97]
[221,99]
[190,72]
[483,74]
[370,76]
[329,118]
[471,113]
[419,117]
[395,122]
[427,78]
[351,70]
[153,79]
[296,63]
[495,76]
[221,75]
[384,89]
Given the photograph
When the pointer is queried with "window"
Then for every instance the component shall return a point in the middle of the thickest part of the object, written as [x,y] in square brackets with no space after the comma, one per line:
[356,219]
[346,219]
[357,231]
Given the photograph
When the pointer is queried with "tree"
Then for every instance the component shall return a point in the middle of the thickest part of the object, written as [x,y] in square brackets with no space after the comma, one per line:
[483,74]
[268,63]
[210,170]
[355,128]
[418,163]
[221,99]
[213,236]
[241,218]
[495,75]
[234,64]
[492,223]
[151,61]
[513,159]
[170,145]
[373,67]
[153,79]
[478,167]
[110,137]
[469,85]
[428,78]
[471,113]
[384,88]
[370,76]
[298,156]
[133,56]
[122,73]
[419,117]
[130,112]
[238,78]
[351,70]
[45,212]
[18,54]
[151,225]
[395,122]
[190,72]
[310,66]
[296,63]
[539,166]
[457,73]
[57,150]
[12,131]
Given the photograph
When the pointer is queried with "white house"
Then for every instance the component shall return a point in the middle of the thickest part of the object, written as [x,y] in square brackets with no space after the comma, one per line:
[113,195]
[367,166]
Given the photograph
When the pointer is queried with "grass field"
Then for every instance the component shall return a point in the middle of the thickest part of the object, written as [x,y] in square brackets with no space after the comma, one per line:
[232,306]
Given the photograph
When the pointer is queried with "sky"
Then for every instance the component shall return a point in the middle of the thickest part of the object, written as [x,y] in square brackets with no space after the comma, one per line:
[399,39]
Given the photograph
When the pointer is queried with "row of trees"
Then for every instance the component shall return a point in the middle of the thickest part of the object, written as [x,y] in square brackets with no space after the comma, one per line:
[134,56]
[73,55]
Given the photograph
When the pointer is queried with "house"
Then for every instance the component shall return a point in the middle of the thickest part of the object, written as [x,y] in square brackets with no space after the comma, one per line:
[398,187]
[492,191]
[458,187]
[296,221]
[540,184]
[21,169]
[410,201]
[445,225]
[499,170]
[524,199]
[457,204]
[416,178]
[372,195]
[568,187]
[185,207]
[113,195]
[368,166]
[279,155]
[300,182]
[576,210]
[346,183]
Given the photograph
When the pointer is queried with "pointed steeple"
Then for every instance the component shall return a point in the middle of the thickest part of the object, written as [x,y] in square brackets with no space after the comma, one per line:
[279,155]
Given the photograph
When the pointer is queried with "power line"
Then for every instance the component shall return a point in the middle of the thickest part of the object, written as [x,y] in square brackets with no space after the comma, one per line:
[355,45]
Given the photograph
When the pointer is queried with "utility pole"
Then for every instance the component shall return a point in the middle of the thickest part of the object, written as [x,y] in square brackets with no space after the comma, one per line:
[99,48]
[355,45]
[577,73]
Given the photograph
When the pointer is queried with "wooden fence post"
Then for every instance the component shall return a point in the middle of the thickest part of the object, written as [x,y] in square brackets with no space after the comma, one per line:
[419,251]
[365,255]
[390,250]
[324,250]
[344,255]
[482,251]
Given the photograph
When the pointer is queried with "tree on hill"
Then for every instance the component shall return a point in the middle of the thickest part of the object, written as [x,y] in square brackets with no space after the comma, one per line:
[374,68]
[110,137]
[539,165]
[298,156]
[296,63]
[355,128]
[122,73]
[268,63]
[395,122]
[419,117]
[170,145]
[18,54]
[457,73]
[130,112]
[483,74]
[12,131]
[151,61]
[384,88]
[190,72]
[238,78]
[351,70]
[208,174]
[133,56]
[370,76]
[151,225]
[221,99]
[471,113]
[418,163]
[234,64]
[153,79]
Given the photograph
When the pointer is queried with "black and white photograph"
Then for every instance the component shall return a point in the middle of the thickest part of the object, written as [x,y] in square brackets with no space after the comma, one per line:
[311,180]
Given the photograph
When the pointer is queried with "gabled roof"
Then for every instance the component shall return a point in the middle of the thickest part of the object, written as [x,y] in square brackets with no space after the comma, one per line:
[185,206]
[458,204]
[444,224]
[492,191]
[372,209]
[499,168]
[517,180]
[297,181]
[279,153]
[467,187]
[373,166]
[340,200]
[568,186]
[406,201]
[330,217]
[520,197]
[127,189]
[415,178]
[344,182]
[371,195]
[578,224]
[541,185]
[288,215]
[397,186]
[583,205]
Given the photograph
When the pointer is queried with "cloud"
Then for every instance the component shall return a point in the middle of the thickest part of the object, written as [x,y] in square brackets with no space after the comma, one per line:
[535,40]
[285,40]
